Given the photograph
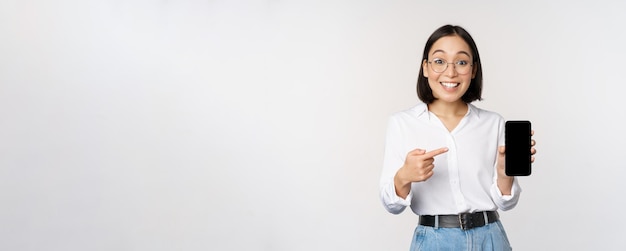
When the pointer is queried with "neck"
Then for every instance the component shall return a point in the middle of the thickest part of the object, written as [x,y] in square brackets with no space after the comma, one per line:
[441,108]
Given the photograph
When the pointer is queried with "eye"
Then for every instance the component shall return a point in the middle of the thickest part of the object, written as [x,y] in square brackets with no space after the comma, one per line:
[462,62]
[439,61]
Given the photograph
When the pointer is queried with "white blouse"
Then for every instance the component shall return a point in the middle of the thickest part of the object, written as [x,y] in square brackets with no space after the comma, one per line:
[464,178]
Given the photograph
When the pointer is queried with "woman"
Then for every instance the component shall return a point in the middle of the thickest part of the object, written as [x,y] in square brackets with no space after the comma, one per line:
[445,158]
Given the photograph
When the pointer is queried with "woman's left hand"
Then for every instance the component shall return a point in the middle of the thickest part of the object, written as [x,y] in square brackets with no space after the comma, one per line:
[502,154]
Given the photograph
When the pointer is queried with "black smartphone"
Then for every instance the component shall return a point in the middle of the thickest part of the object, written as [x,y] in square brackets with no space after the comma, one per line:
[517,141]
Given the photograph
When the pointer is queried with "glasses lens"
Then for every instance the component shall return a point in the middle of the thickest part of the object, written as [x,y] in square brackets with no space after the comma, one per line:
[439,65]
[462,67]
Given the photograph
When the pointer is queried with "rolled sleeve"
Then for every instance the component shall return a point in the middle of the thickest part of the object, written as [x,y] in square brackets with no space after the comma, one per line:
[506,202]
[392,202]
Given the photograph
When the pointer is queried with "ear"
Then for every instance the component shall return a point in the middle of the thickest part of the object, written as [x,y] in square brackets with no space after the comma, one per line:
[424,68]
[474,70]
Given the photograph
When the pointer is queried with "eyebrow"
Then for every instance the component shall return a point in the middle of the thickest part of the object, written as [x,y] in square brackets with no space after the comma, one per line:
[460,52]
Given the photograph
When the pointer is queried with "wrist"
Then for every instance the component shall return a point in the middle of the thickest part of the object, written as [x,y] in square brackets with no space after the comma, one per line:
[399,181]
[505,184]
[504,177]
[403,187]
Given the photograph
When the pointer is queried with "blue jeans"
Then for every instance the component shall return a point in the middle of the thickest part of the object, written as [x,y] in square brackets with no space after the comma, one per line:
[490,237]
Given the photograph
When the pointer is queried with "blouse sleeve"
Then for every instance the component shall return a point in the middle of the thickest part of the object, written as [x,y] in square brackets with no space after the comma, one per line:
[393,160]
[504,202]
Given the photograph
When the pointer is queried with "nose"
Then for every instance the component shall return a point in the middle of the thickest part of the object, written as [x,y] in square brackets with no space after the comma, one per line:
[451,71]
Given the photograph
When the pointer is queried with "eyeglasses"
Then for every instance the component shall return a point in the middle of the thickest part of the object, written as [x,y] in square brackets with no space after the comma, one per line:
[440,65]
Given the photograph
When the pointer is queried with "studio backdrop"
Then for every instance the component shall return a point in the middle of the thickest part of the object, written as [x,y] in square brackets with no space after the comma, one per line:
[260,125]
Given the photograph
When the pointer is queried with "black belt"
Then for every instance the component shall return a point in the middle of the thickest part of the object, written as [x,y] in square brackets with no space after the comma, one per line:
[465,221]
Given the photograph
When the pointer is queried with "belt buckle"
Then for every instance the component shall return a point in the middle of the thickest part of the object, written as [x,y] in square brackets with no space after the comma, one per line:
[465,221]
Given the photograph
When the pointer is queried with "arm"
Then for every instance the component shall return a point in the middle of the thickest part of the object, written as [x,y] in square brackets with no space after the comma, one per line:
[401,169]
[504,182]
[393,160]
[506,190]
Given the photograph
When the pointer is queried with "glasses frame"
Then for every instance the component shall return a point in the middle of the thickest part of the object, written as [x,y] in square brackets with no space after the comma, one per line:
[471,65]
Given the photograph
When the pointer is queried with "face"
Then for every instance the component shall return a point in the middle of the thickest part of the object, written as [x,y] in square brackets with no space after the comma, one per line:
[449,85]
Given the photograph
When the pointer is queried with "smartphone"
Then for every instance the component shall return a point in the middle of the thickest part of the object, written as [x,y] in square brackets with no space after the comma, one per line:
[517,142]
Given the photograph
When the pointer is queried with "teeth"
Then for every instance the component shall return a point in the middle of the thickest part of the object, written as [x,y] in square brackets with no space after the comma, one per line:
[450,85]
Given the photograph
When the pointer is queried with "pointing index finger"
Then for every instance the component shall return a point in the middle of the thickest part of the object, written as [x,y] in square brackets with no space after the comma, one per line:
[436,152]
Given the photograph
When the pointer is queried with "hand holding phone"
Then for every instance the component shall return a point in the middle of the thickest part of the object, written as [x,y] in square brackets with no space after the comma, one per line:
[517,139]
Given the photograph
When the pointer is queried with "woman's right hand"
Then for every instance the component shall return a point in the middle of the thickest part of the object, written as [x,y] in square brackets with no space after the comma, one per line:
[418,166]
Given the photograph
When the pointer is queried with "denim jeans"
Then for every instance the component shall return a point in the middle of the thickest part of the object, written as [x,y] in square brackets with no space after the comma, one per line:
[490,237]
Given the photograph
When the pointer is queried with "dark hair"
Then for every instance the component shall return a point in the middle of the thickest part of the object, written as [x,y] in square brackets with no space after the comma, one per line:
[474,92]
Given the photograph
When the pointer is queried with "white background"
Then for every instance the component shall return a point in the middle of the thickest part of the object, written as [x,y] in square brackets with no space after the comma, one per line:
[259,125]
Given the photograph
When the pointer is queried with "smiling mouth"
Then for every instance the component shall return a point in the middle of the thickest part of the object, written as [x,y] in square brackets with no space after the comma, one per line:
[449,85]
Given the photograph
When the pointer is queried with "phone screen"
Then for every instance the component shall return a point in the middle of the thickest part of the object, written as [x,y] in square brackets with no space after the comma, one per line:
[517,142]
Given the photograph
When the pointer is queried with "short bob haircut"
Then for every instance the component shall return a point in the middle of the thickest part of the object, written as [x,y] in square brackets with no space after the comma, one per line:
[474,92]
